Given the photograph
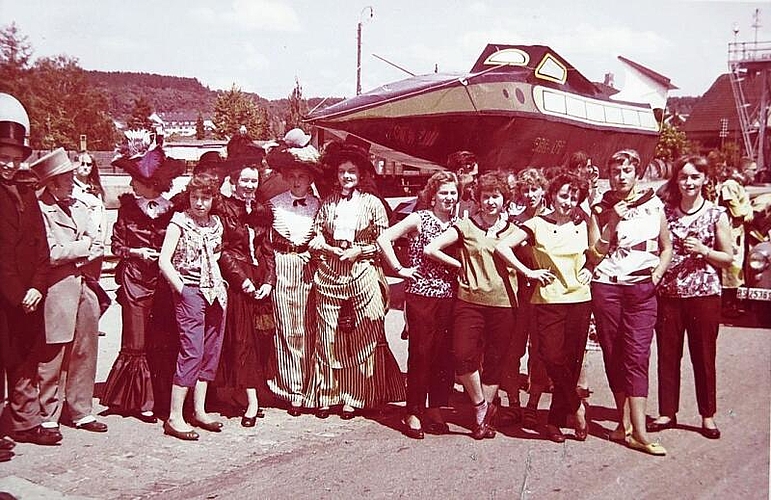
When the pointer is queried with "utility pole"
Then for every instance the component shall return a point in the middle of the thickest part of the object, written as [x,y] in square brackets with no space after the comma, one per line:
[358,45]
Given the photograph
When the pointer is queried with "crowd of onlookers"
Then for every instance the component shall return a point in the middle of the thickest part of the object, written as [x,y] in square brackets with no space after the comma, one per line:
[267,276]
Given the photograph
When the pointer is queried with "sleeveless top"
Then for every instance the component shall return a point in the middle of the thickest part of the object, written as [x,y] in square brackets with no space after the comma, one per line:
[196,256]
[689,274]
[437,280]
[634,249]
[561,249]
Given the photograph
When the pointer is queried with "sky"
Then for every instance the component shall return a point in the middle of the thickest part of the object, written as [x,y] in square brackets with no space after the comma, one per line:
[262,46]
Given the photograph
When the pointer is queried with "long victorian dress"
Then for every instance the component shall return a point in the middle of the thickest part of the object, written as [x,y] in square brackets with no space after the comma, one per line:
[353,364]
[248,346]
[142,296]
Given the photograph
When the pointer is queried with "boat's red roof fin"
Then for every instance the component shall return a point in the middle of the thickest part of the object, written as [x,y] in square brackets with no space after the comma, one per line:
[541,63]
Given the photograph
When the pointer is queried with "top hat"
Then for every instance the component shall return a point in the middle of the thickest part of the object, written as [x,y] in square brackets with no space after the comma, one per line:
[14,124]
[55,163]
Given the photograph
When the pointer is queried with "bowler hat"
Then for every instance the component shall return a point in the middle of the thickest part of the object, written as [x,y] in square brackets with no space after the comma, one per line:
[52,164]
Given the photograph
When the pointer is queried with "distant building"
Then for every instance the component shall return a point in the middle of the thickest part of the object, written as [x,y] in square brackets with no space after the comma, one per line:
[180,124]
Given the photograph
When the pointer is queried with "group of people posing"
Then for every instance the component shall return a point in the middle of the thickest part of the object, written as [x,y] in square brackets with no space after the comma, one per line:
[267,272]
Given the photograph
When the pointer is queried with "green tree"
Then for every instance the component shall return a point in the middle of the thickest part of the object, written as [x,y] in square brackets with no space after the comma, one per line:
[15,57]
[200,131]
[297,108]
[234,109]
[672,143]
[140,115]
[63,105]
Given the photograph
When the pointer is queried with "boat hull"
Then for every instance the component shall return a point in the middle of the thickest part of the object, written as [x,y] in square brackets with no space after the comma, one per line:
[501,142]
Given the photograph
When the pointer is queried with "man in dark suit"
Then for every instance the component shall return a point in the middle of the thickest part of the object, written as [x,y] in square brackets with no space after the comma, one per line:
[23,277]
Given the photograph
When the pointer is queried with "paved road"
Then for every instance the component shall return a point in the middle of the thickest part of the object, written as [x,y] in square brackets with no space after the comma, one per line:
[304,457]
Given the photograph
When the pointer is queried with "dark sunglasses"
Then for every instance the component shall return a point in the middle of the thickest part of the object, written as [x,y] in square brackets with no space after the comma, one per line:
[87,164]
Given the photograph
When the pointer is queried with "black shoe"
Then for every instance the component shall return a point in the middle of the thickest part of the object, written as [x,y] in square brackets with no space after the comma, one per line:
[6,444]
[348,415]
[146,418]
[92,426]
[184,436]
[485,430]
[37,435]
[294,411]
[710,433]
[6,455]
[554,433]
[322,413]
[411,432]
[214,426]
[248,421]
[658,426]
[436,428]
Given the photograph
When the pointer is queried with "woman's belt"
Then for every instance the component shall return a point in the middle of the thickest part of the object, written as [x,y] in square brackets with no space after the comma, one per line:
[284,247]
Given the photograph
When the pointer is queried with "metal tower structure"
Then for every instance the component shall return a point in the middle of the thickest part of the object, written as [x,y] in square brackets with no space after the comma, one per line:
[748,61]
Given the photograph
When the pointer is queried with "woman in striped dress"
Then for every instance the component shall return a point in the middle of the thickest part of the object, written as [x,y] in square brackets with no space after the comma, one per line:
[293,215]
[353,365]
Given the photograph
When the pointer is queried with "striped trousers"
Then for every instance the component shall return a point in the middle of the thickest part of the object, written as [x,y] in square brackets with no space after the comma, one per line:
[295,333]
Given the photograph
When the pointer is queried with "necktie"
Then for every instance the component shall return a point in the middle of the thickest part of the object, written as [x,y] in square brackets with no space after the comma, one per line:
[299,201]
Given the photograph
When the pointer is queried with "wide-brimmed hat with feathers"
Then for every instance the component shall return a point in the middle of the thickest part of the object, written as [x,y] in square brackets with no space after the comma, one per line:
[143,159]
[284,157]
[336,153]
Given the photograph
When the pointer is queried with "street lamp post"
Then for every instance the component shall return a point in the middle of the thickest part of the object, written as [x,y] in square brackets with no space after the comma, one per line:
[358,45]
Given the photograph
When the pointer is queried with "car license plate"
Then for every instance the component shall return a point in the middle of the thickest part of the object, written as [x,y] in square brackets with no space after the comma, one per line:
[744,293]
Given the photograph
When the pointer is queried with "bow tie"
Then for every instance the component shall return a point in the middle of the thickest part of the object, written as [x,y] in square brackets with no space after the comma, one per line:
[298,201]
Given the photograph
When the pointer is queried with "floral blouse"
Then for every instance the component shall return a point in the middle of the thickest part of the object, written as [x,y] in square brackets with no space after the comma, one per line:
[437,280]
[689,274]
[197,254]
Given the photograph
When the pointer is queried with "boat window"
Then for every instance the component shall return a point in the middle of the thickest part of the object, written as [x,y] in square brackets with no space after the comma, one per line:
[576,107]
[631,117]
[595,112]
[509,57]
[551,69]
[613,114]
[554,102]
